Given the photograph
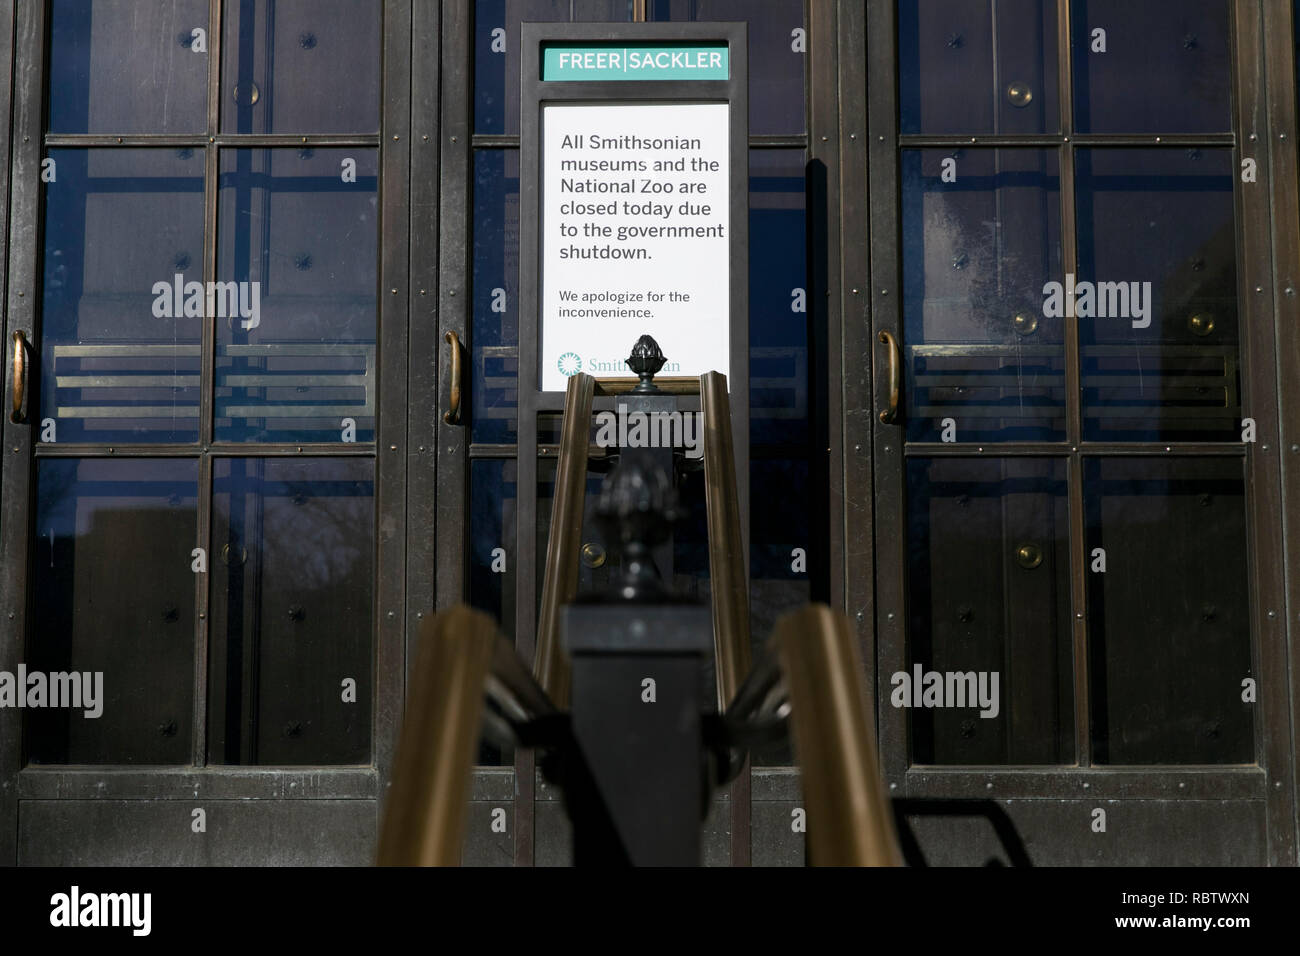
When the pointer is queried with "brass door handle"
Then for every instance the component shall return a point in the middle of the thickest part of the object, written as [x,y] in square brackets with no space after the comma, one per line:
[20,376]
[895,376]
[452,415]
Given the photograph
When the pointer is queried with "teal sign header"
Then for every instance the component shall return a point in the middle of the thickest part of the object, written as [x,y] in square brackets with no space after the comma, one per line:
[587,61]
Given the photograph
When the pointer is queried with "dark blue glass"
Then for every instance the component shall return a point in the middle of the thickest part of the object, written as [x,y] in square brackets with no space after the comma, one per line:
[119,347]
[981,237]
[779,309]
[496,50]
[1150,66]
[494,335]
[778,55]
[1159,353]
[129,66]
[300,66]
[298,239]
[1169,620]
[291,614]
[988,592]
[978,66]
[113,587]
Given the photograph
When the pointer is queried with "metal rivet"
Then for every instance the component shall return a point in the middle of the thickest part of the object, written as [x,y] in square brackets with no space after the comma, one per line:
[421,292]
[1078,615]
[393,291]
[859,447]
[1019,94]
[1167,448]
[1029,556]
[202,615]
[119,139]
[823,139]
[1252,137]
[880,139]
[21,294]
[988,786]
[853,135]
[1086,786]
[855,291]
[391,615]
[593,555]
[884,292]
[453,139]
[1182,786]
[419,614]
[1157,139]
[110,451]
[1263,447]
[1259,290]
[1024,323]
[889,616]
[392,448]
[1067,139]
[304,139]
[1272,614]
[452,292]
[300,448]
[893,786]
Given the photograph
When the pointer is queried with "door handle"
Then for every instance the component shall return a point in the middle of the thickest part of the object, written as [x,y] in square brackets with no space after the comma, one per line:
[20,376]
[895,376]
[452,415]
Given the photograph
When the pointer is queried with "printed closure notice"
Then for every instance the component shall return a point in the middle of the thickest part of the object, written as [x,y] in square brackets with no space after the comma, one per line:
[635,237]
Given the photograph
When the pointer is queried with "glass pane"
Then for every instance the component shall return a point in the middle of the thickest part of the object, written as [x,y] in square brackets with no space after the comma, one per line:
[122,306]
[783,559]
[128,66]
[492,555]
[298,254]
[1157,294]
[1169,619]
[981,236]
[293,544]
[495,333]
[982,66]
[989,625]
[778,297]
[496,50]
[1149,66]
[778,44]
[300,66]
[113,593]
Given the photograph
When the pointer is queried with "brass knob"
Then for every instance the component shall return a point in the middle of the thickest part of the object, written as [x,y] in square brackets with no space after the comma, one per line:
[1029,556]
[1202,323]
[593,555]
[1024,323]
[1019,94]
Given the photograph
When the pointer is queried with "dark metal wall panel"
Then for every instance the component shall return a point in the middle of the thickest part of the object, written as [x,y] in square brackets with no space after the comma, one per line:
[424,341]
[1279,371]
[393,451]
[1138,833]
[1262,292]
[20,314]
[160,833]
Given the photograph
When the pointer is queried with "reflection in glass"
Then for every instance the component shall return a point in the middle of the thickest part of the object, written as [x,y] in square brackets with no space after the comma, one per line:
[113,592]
[977,67]
[981,237]
[783,560]
[496,50]
[778,298]
[1164,365]
[989,594]
[1164,67]
[495,329]
[491,572]
[120,339]
[778,44]
[298,235]
[128,66]
[1169,620]
[292,570]
[300,66]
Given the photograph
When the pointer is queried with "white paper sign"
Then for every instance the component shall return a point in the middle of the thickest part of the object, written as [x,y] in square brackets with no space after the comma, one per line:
[636,237]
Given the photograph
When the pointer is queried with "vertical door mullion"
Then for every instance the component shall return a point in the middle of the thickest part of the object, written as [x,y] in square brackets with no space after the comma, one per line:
[20,294]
